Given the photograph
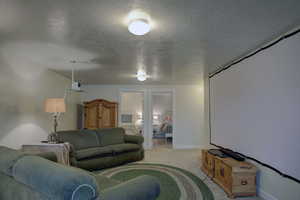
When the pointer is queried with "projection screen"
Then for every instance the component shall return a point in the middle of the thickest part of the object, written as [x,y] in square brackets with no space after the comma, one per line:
[255,107]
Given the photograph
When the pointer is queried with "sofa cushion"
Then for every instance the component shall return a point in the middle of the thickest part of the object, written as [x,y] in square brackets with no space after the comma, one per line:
[80,139]
[123,148]
[8,157]
[135,139]
[110,136]
[93,152]
[56,181]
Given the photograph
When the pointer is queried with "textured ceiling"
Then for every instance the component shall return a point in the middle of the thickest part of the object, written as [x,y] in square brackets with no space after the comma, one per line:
[189,37]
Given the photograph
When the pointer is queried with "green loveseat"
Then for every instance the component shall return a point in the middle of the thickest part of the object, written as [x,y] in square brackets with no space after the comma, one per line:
[27,177]
[102,148]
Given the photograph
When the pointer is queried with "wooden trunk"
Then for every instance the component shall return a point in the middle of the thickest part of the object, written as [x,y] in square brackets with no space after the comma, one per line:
[100,113]
[208,163]
[236,178]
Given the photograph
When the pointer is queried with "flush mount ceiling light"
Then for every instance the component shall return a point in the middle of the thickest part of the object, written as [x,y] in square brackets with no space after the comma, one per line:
[139,27]
[141,75]
[138,22]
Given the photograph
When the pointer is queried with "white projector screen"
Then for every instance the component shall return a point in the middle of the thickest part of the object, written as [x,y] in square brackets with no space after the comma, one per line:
[255,107]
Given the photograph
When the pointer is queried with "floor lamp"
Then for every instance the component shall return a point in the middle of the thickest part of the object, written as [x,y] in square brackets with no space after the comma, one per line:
[55,106]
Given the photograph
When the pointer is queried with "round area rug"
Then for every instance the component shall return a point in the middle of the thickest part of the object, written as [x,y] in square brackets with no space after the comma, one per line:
[176,183]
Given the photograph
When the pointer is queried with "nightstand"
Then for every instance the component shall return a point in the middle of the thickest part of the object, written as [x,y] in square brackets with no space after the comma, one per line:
[62,150]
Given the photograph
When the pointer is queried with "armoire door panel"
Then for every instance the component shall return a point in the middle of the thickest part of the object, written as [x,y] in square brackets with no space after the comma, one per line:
[100,113]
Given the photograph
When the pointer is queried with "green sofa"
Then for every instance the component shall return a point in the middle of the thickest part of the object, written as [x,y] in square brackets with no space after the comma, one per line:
[27,177]
[102,148]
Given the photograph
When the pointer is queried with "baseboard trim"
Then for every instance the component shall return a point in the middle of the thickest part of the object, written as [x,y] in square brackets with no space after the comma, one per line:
[190,146]
[266,196]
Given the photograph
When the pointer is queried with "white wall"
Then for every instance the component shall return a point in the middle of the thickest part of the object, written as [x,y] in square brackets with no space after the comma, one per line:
[272,186]
[22,95]
[189,115]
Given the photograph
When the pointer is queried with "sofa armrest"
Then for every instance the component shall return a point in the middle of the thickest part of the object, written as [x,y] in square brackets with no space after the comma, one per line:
[54,180]
[140,188]
[72,150]
[72,154]
[136,139]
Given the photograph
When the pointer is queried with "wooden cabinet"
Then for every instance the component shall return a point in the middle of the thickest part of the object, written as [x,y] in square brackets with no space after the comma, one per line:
[236,178]
[100,113]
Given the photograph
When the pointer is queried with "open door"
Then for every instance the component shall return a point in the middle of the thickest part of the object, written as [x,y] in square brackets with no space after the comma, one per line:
[132,112]
[162,119]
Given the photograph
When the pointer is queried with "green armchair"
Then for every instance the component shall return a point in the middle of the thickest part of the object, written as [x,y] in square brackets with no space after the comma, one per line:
[27,177]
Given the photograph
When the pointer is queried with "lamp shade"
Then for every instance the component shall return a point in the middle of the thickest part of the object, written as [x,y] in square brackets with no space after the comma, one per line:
[55,105]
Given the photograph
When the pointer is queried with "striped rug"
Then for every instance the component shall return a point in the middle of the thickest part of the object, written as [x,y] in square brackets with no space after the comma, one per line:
[176,183]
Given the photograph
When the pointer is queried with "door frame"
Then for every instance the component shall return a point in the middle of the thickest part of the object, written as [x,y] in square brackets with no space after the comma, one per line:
[147,111]
[150,127]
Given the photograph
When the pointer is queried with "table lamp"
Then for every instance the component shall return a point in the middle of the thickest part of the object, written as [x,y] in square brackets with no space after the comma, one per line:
[55,106]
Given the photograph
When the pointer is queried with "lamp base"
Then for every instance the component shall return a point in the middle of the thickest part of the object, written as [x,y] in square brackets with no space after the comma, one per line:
[53,138]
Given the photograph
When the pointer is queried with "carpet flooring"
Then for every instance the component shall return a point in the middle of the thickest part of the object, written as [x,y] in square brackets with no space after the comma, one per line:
[175,183]
[190,161]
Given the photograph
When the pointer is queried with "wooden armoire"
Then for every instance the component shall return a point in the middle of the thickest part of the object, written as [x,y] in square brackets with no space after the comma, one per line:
[100,113]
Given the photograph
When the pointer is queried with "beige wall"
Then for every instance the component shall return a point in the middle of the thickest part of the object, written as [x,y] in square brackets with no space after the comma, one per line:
[190,130]
[22,95]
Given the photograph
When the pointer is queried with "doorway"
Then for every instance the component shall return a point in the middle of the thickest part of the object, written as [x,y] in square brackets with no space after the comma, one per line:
[131,112]
[148,112]
[162,119]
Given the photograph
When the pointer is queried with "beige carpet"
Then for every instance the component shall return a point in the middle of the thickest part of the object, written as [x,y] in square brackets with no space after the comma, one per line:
[189,160]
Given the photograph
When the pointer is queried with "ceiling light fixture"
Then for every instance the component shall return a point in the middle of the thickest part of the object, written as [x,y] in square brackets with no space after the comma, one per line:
[139,27]
[141,75]
[138,22]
